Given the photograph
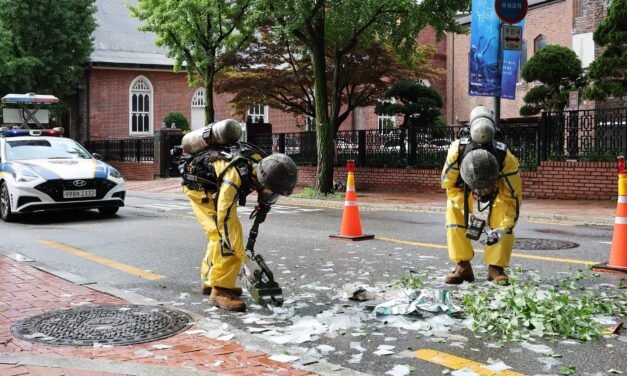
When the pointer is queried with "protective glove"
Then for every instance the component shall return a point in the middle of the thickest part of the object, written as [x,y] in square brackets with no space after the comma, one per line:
[494,236]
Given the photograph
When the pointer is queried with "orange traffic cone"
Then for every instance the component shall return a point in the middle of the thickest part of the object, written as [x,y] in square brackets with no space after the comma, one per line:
[351,224]
[618,255]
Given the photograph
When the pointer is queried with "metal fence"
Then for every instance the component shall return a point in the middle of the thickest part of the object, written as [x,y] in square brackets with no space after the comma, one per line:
[586,135]
[127,150]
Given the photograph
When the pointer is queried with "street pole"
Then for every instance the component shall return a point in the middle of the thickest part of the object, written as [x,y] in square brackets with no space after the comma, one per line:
[496,105]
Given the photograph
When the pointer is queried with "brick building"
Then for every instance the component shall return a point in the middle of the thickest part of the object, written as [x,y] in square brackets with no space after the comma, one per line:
[130,85]
[568,23]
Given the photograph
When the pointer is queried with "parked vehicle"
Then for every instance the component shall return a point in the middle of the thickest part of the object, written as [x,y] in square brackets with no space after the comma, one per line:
[346,146]
[41,170]
[394,145]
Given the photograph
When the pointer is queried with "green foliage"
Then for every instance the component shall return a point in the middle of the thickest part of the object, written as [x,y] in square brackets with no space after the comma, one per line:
[559,71]
[309,192]
[197,33]
[44,45]
[419,105]
[330,30]
[523,310]
[178,119]
[608,72]
[409,282]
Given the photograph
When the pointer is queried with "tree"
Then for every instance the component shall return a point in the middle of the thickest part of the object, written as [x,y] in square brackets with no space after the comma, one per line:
[331,29]
[197,34]
[418,104]
[280,75]
[609,71]
[559,71]
[44,45]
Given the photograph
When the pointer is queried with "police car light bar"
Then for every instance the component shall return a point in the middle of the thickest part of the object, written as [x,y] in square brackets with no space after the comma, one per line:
[29,98]
[55,132]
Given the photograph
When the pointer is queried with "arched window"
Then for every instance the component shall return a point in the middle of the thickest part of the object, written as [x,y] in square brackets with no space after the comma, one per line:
[140,105]
[539,43]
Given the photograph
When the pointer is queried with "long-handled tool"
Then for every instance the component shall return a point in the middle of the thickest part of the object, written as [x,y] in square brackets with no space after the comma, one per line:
[263,287]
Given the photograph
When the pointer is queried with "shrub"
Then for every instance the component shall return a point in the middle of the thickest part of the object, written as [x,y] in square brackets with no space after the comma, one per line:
[179,121]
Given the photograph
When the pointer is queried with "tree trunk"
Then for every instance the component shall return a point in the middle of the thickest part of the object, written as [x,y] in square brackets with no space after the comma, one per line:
[324,131]
[209,110]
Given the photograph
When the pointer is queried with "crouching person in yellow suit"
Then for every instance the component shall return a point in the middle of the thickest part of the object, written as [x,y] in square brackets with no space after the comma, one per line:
[484,168]
[217,214]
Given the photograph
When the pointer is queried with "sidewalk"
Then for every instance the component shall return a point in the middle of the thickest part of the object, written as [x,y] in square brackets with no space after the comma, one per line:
[26,291]
[600,212]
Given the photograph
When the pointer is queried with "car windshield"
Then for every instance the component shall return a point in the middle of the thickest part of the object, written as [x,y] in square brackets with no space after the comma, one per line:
[61,148]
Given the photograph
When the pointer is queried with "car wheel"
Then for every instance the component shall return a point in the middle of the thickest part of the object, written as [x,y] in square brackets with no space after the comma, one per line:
[109,210]
[5,204]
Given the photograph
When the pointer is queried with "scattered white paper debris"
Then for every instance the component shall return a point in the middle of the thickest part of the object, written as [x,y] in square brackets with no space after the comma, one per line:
[497,366]
[284,358]
[325,348]
[193,332]
[399,370]
[540,349]
[161,346]
[383,352]
[355,358]
[161,357]
[464,372]
[143,352]
[225,337]
[357,346]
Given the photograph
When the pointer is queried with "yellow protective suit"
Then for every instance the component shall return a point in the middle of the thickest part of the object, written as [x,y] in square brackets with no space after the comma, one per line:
[503,212]
[225,251]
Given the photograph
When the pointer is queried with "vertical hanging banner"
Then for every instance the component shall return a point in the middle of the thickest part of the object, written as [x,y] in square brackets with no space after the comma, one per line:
[511,59]
[484,76]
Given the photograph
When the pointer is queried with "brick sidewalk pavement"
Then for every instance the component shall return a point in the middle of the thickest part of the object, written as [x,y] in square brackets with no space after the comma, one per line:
[27,291]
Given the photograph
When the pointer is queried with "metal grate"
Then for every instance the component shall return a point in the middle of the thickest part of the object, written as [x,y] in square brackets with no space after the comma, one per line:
[103,324]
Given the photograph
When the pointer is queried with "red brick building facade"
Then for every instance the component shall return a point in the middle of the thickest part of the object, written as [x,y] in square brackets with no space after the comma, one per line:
[568,23]
[126,66]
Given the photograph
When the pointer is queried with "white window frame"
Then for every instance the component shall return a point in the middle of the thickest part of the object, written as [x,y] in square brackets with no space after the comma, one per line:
[198,100]
[141,86]
[382,120]
[258,111]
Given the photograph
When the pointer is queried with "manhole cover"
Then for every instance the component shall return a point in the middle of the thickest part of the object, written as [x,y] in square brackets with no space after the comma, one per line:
[104,324]
[542,244]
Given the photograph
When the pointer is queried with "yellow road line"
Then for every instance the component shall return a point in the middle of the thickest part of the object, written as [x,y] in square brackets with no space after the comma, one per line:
[456,363]
[531,257]
[102,260]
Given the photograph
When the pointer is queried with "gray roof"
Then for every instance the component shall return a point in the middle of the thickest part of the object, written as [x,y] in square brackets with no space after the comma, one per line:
[117,40]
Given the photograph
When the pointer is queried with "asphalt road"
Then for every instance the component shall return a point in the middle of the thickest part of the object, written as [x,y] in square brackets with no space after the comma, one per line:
[154,246]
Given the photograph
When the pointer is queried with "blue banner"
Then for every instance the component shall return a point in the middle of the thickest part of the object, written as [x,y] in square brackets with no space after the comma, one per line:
[484,76]
[511,62]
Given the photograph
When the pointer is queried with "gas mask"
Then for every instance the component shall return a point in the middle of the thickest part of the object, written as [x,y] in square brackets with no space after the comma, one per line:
[487,194]
[266,197]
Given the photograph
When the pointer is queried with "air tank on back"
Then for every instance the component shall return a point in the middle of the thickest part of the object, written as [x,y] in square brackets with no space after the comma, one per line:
[223,132]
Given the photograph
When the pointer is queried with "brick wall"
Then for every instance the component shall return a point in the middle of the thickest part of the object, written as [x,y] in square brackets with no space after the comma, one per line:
[552,180]
[552,19]
[137,171]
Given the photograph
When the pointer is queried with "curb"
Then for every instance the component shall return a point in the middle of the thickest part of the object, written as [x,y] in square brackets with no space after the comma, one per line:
[249,341]
[366,206]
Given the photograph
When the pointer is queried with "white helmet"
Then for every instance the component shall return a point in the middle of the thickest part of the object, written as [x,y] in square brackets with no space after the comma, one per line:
[482,127]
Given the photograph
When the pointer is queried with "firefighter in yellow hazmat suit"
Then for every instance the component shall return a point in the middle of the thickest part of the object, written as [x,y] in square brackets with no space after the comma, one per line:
[217,214]
[481,167]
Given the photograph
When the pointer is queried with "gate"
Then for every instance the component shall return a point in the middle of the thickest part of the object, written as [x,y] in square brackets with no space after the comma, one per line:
[169,139]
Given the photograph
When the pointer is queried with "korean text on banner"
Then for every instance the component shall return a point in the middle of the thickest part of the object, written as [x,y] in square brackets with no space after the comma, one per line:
[511,64]
[484,77]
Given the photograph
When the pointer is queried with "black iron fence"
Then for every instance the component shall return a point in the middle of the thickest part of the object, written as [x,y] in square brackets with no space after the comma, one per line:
[127,150]
[586,135]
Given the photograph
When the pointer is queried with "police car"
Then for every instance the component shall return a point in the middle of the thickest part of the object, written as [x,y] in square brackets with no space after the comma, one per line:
[42,170]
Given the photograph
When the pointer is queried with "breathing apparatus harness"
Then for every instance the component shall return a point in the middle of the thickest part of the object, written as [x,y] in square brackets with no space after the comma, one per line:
[475,226]
[199,174]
